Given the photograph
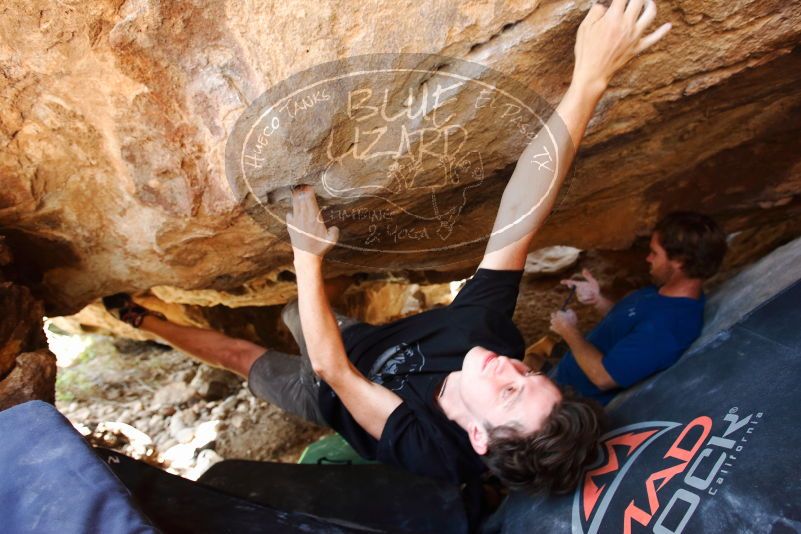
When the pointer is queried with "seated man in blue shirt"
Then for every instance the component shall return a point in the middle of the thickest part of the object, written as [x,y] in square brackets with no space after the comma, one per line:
[649,329]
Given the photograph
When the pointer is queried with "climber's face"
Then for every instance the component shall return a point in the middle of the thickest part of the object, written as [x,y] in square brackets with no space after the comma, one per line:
[497,390]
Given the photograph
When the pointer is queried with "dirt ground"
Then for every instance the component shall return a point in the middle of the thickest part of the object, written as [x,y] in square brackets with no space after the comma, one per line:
[151,402]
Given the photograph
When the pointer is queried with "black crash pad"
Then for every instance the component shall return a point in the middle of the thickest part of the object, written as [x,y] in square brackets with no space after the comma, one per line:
[180,506]
[710,445]
[376,496]
[247,496]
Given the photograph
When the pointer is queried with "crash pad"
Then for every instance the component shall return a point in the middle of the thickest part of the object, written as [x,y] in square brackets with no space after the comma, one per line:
[374,495]
[52,482]
[709,445]
[180,506]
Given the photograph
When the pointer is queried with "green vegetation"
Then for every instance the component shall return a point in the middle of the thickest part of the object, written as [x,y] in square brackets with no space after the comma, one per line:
[72,382]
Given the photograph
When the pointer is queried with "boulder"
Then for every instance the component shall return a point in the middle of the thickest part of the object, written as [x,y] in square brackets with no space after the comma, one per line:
[33,378]
[27,368]
[21,324]
[114,118]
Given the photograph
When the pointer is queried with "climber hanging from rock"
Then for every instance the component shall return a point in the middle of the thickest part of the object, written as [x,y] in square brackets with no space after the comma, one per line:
[443,393]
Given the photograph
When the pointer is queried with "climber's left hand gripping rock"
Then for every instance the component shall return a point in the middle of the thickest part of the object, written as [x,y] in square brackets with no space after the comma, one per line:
[310,237]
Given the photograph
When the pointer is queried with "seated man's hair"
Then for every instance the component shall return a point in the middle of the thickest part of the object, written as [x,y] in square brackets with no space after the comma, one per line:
[551,459]
[695,240]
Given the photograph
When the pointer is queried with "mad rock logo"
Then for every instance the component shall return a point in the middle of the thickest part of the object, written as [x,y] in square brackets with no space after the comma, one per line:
[407,153]
[653,475]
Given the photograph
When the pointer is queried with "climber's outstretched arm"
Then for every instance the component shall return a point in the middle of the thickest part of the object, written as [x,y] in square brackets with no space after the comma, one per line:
[369,403]
[607,39]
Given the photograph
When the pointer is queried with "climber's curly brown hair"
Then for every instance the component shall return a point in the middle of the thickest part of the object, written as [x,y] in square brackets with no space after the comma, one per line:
[552,458]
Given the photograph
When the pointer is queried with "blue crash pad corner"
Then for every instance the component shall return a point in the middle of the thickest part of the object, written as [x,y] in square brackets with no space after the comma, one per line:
[51,481]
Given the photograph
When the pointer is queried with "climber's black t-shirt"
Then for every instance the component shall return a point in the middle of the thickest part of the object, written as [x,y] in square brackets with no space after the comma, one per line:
[412,357]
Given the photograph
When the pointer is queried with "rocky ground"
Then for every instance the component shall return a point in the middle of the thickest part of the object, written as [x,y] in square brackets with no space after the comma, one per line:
[154,403]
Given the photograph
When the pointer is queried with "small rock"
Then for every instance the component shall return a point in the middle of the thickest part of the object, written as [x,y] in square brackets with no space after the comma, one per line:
[184,376]
[174,393]
[81,414]
[237,420]
[154,425]
[159,425]
[188,416]
[212,383]
[176,425]
[205,459]
[205,433]
[185,435]
[228,404]
[167,410]
[550,260]
[180,456]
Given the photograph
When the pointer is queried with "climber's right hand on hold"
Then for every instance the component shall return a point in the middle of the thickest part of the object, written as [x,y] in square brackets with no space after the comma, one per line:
[610,36]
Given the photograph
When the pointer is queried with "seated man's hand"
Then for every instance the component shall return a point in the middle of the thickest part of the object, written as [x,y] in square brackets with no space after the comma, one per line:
[307,231]
[588,291]
[609,37]
[564,322]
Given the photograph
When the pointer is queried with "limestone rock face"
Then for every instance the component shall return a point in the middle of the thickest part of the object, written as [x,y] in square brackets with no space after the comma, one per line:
[114,118]
[33,378]
[21,326]
[27,369]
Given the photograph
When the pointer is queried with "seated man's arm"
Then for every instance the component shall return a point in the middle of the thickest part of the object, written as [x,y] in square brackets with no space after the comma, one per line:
[649,348]
[606,40]
[587,355]
[370,404]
